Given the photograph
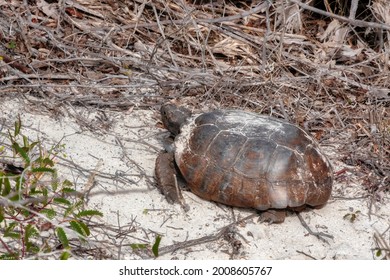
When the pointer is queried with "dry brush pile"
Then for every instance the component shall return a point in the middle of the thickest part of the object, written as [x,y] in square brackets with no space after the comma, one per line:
[322,64]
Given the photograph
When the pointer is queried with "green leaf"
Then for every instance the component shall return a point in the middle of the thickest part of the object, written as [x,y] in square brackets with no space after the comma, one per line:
[79,227]
[62,237]
[18,125]
[25,143]
[156,246]
[25,212]
[65,255]
[85,228]
[71,209]
[47,162]
[1,214]
[45,192]
[11,45]
[10,227]
[68,190]
[29,232]
[89,213]
[62,200]
[21,152]
[55,182]
[9,256]
[32,145]
[7,187]
[12,234]
[19,183]
[42,170]
[138,246]
[67,184]
[32,248]
[50,213]
[16,197]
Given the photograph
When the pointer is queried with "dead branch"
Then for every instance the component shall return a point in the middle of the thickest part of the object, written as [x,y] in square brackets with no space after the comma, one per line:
[350,20]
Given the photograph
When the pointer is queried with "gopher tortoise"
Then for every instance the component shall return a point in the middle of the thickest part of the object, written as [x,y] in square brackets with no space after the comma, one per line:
[243,159]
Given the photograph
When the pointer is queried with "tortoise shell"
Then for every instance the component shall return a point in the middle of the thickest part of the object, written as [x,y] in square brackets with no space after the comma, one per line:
[244,159]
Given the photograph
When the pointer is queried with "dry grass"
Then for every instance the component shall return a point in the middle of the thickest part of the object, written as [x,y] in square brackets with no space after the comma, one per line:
[327,71]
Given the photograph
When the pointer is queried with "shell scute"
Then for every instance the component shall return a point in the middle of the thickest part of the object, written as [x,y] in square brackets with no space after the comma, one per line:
[224,148]
[254,158]
[201,137]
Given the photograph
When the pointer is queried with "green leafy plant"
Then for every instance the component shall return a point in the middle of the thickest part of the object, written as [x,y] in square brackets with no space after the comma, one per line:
[11,45]
[147,247]
[40,215]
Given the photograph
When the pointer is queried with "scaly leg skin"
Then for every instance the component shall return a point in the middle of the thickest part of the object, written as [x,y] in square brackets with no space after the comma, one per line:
[272,216]
[165,172]
[165,175]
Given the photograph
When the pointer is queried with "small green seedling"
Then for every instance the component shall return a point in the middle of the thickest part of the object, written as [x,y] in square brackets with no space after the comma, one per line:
[352,216]
[146,247]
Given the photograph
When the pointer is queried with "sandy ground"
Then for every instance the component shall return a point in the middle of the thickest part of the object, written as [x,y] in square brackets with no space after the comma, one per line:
[122,146]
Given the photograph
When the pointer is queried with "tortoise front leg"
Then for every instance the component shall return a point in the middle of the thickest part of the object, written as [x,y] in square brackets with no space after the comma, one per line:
[166,174]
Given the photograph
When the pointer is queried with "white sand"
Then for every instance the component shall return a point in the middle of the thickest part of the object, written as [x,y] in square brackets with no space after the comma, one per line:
[128,198]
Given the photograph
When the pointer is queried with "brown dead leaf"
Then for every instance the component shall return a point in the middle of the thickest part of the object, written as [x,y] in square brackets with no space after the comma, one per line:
[49,10]
[74,13]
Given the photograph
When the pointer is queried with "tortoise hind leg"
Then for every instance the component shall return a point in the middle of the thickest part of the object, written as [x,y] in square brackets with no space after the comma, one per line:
[273,216]
[166,174]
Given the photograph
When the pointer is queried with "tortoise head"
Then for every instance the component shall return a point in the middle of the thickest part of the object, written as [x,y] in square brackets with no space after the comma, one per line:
[173,117]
